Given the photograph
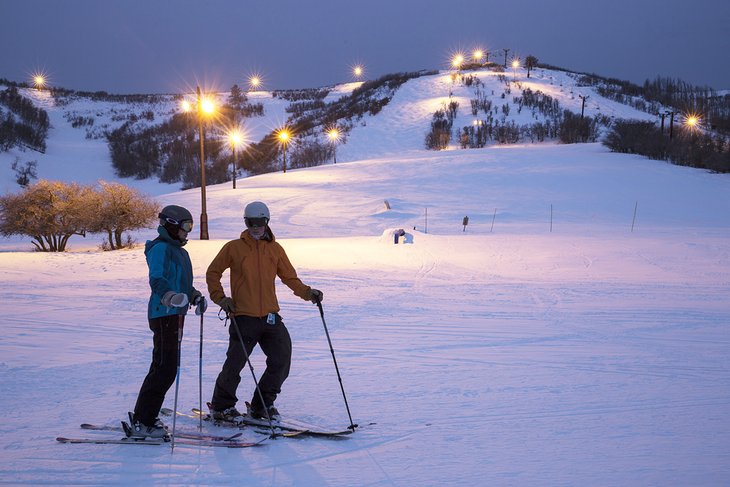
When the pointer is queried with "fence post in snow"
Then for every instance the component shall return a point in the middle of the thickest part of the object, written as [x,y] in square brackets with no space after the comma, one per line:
[495,216]
[636,206]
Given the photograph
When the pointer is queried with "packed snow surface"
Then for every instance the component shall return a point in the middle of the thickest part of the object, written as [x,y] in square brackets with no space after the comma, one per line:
[575,332]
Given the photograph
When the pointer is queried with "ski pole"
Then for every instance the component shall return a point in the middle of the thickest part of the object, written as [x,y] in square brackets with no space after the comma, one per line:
[234,324]
[180,321]
[321,313]
[200,374]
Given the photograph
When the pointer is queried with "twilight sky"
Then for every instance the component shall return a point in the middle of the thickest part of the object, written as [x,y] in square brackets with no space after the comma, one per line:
[166,46]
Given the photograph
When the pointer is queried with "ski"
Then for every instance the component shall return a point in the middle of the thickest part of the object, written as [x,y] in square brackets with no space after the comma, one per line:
[109,441]
[179,434]
[187,442]
[292,426]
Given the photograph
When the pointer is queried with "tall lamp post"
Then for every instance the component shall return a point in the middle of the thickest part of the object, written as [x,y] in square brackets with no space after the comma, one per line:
[284,137]
[203,106]
[235,138]
[515,65]
[334,136]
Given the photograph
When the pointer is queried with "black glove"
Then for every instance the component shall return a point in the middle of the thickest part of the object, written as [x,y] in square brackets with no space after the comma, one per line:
[201,305]
[227,305]
[315,295]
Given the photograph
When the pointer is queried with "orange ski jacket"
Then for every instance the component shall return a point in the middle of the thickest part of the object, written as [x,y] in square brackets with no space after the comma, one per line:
[254,265]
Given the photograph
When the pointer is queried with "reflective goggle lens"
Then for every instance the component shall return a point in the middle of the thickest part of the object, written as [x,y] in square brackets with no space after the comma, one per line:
[256,222]
[186,225]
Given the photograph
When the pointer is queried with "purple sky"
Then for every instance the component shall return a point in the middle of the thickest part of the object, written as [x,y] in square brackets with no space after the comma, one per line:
[166,46]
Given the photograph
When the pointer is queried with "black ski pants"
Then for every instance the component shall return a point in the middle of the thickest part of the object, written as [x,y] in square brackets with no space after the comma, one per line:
[275,343]
[163,369]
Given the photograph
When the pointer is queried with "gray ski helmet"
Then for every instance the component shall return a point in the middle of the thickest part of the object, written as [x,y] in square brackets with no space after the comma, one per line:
[256,209]
[177,214]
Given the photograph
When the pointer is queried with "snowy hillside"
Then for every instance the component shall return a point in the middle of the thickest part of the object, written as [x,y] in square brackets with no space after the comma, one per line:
[574,333]
[401,126]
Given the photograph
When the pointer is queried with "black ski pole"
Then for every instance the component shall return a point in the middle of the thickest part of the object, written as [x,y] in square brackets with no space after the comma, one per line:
[200,374]
[180,321]
[339,377]
[234,324]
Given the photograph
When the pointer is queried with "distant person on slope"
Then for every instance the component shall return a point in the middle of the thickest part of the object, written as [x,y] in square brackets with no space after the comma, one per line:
[171,280]
[254,260]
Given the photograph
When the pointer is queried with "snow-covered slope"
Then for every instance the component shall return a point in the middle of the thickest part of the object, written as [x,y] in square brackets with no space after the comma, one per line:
[574,334]
[81,154]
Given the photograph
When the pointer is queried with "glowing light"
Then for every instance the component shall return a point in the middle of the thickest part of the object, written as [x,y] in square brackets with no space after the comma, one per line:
[692,121]
[516,63]
[478,55]
[333,134]
[39,80]
[457,60]
[357,71]
[254,82]
[284,136]
[207,105]
[186,106]
[235,137]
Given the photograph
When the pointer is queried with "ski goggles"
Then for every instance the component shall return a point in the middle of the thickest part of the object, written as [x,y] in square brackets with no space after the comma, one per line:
[185,225]
[256,222]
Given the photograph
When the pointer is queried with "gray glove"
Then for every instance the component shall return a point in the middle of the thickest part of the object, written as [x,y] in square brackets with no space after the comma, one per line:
[201,305]
[315,295]
[227,305]
[171,299]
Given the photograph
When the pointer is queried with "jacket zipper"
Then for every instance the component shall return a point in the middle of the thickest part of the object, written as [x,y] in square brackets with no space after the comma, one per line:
[261,290]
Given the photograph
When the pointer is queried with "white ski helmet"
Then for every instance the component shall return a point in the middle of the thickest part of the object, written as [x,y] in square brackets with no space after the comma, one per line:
[256,209]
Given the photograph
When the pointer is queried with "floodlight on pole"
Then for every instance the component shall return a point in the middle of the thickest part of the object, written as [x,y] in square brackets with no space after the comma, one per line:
[284,136]
[204,106]
[39,81]
[334,136]
[692,121]
[235,138]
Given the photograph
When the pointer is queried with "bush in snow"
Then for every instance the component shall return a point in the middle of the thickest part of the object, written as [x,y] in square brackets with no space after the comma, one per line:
[51,212]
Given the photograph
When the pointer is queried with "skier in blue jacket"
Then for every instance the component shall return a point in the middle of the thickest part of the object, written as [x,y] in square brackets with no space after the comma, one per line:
[171,281]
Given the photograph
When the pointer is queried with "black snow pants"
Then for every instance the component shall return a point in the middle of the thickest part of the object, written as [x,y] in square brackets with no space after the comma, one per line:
[275,343]
[163,369]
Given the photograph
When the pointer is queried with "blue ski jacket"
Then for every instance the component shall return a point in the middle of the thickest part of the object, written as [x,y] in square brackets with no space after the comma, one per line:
[170,269]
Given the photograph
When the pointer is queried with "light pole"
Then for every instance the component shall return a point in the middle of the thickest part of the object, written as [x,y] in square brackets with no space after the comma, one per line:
[203,106]
[583,104]
[515,65]
[457,61]
[284,137]
[671,123]
[334,136]
[478,55]
[235,138]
